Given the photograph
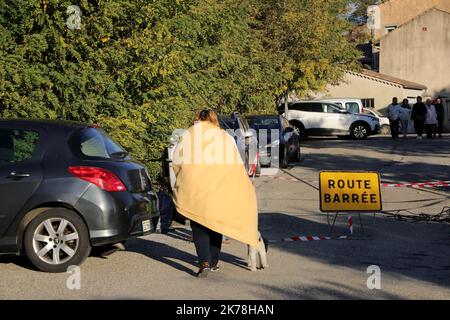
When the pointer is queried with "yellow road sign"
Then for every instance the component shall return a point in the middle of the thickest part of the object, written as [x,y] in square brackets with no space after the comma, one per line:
[349,191]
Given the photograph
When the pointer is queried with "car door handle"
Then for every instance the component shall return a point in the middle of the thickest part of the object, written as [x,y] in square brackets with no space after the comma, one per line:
[16,174]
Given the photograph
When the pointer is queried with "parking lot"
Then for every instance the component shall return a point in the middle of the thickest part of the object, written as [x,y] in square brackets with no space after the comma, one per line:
[414,257]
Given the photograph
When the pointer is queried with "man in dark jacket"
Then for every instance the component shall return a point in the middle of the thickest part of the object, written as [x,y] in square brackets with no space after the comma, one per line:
[440,116]
[418,114]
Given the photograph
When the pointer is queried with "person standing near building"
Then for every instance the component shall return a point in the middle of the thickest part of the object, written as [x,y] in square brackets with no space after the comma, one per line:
[394,110]
[418,113]
[405,114]
[440,116]
[430,119]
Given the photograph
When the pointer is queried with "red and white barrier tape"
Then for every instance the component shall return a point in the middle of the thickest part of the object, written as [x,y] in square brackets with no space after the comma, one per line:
[350,224]
[431,184]
[313,238]
[418,184]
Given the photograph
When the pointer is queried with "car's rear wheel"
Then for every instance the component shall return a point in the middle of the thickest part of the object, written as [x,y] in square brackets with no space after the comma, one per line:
[57,239]
[385,129]
[359,131]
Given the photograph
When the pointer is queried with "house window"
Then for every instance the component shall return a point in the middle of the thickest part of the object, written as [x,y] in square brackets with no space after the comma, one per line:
[368,102]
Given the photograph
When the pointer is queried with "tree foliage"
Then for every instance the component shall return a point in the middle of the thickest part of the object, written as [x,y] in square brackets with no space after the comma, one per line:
[139,68]
[359,12]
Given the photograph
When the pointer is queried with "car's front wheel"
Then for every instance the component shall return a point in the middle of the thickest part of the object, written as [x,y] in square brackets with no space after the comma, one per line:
[359,131]
[57,239]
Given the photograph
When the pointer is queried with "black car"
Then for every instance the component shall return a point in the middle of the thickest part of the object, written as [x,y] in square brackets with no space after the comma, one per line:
[66,187]
[287,141]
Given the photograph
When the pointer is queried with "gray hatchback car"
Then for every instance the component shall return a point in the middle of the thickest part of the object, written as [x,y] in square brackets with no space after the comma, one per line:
[66,187]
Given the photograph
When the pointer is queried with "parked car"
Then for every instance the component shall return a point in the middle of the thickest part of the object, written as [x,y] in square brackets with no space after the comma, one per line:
[246,142]
[352,105]
[385,127]
[287,142]
[327,119]
[66,187]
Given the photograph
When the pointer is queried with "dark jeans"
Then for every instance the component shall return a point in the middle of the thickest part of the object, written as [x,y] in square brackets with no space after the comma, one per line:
[394,128]
[166,210]
[418,126]
[429,129]
[207,243]
[439,126]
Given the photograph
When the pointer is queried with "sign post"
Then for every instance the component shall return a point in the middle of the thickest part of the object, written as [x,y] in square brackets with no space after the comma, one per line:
[355,191]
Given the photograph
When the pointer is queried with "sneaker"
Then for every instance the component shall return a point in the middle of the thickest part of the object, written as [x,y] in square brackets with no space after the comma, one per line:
[204,270]
[215,268]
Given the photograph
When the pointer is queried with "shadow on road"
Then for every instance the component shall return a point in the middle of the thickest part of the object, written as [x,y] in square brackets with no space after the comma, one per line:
[21,261]
[394,170]
[323,291]
[415,250]
[433,147]
[168,254]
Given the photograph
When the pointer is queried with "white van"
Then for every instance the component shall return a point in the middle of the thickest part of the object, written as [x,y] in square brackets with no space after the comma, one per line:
[352,105]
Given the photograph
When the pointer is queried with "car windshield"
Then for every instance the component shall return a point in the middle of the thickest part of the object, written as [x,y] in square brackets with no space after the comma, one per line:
[263,123]
[93,142]
[227,123]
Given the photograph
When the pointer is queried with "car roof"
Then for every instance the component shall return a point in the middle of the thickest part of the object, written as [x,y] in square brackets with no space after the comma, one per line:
[46,123]
[262,116]
[338,100]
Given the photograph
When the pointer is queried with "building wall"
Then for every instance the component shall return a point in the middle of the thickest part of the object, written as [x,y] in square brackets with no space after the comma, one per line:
[398,12]
[356,86]
[420,52]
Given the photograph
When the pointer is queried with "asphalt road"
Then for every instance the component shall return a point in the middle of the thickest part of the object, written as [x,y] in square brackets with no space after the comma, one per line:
[414,258]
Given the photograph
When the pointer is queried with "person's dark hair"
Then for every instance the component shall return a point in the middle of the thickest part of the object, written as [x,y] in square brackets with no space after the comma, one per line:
[208,116]
[419,98]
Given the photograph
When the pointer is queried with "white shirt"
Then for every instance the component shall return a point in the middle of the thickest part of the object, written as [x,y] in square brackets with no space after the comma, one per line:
[394,111]
[431,117]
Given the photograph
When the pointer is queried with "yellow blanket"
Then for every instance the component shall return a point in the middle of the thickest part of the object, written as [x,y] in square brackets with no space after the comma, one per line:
[212,186]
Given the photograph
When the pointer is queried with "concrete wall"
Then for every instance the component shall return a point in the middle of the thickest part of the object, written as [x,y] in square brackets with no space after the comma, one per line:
[420,52]
[398,12]
[356,86]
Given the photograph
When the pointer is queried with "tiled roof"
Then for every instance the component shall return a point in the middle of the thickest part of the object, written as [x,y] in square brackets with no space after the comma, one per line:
[381,76]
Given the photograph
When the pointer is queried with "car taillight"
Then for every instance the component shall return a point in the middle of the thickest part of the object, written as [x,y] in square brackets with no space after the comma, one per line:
[102,178]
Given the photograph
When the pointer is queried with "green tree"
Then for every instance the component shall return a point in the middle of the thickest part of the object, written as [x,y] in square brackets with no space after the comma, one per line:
[140,68]
[309,40]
